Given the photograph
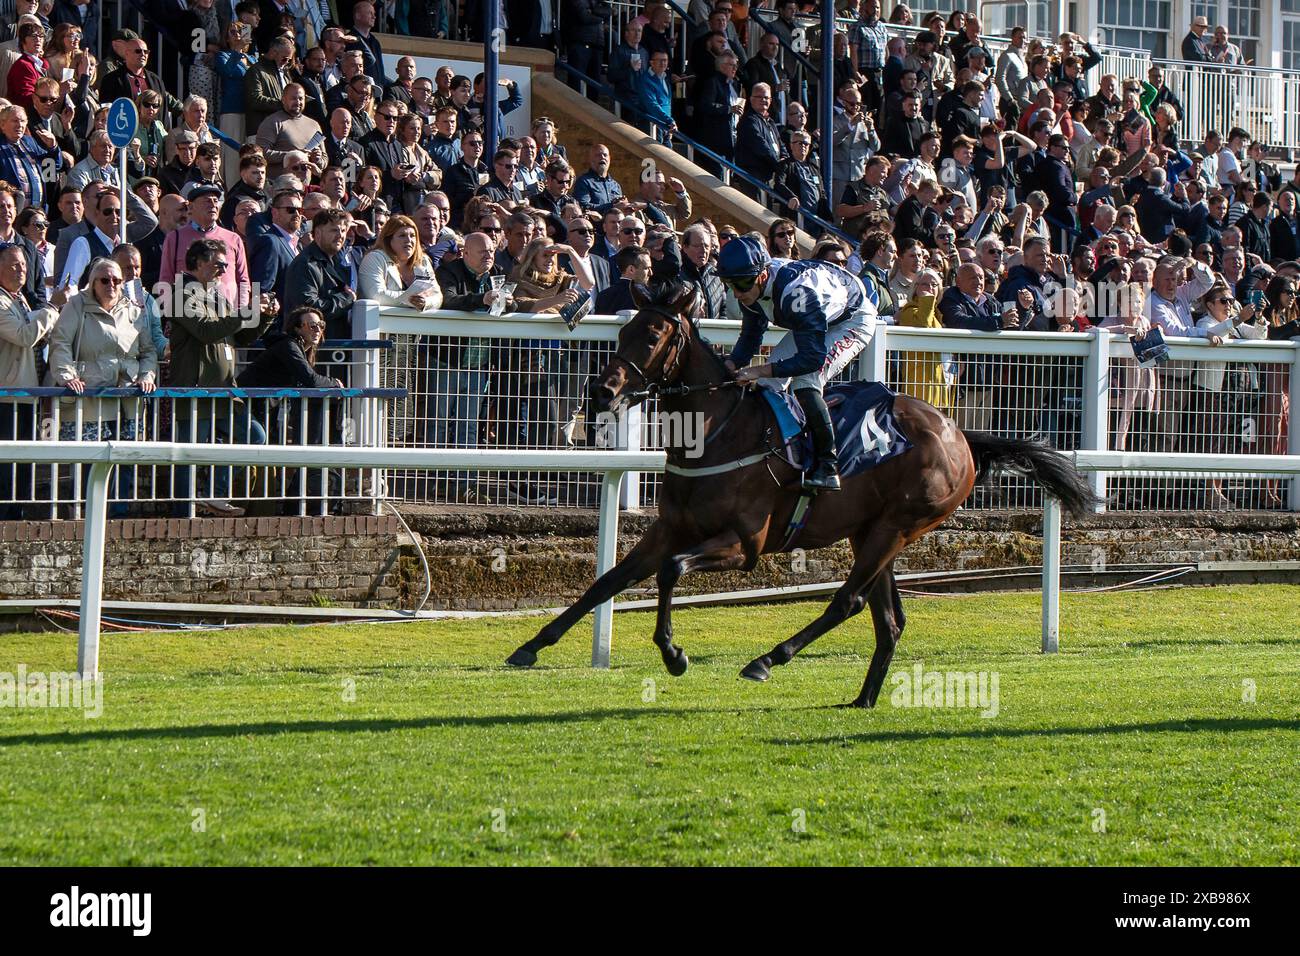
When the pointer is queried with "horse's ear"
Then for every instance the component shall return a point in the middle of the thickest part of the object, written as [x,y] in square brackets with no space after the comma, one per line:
[641,295]
[686,300]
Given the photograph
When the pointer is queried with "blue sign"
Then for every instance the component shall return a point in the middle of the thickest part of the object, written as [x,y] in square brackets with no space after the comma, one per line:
[122,122]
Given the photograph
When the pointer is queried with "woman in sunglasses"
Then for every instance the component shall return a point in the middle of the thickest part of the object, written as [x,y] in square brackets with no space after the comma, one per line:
[102,339]
[830,320]
[1224,318]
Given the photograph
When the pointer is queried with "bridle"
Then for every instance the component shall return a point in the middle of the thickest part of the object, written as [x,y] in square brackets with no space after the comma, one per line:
[669,370]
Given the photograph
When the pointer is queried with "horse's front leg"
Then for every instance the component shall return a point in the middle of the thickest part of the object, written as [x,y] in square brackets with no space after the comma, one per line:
[723,552]
[639,564]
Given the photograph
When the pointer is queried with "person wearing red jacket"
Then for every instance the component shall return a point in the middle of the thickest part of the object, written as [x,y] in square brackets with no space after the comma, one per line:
[29,67]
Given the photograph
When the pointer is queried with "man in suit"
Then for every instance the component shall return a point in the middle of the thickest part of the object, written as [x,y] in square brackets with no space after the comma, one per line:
[271,254]
[1195,46]
[633,265]
[340,148]
[140,222]
[1157,212]
[265,81]
[581,236]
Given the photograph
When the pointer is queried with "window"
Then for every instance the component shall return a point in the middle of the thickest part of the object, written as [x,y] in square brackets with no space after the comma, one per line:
[1135,24]
[1290,41]
[1243,27]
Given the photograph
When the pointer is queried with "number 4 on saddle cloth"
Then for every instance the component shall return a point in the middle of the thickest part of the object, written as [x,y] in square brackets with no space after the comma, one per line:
[866,432]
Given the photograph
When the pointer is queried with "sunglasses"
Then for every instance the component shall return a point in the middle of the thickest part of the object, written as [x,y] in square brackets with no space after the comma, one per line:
[724,236]
[112,211]
[39,223]
[109,280]
[314,326]
[783,234]
[1224,300]
[220,266]
[580,232]
[634,232]
[743,283]
[46,99]
[293,209]
[492,230]
[387,116]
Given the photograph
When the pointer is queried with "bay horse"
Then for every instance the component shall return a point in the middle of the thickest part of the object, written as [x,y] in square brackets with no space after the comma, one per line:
[726,520]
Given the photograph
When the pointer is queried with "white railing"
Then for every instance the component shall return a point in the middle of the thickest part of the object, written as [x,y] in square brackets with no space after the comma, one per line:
[103,457]
[1076,390]
[1103,462]
[1264,102]
[268,416]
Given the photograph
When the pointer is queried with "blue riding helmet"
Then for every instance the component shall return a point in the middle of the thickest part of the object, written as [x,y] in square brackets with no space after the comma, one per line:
[741,258]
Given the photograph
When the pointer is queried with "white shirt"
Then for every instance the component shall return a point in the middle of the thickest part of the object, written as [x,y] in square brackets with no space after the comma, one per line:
[1226,166]
[1175,318]
[79,257]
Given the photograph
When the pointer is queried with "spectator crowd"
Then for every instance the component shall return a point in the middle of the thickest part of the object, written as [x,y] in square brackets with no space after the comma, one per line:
[1007,193]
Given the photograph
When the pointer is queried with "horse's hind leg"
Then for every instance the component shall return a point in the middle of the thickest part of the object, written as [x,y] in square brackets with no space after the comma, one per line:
[639,564]
[871,556]
[721,553]
[887,615]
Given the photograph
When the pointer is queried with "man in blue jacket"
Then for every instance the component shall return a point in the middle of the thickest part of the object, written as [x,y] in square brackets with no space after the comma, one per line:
[1029,285]
[830,320]
[656,96]
[596,188]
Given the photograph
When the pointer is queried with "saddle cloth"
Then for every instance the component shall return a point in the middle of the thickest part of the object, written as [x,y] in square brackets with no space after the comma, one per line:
[866,431]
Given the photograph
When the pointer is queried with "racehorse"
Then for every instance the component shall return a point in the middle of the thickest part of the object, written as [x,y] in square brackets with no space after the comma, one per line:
[726,520]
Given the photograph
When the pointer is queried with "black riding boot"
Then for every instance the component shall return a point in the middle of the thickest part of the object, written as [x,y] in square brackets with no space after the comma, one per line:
[825,475]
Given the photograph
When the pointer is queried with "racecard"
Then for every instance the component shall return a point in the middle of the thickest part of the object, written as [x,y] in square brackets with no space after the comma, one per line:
[102,909]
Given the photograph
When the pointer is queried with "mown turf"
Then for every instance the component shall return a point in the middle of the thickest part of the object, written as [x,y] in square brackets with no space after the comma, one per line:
[446,757]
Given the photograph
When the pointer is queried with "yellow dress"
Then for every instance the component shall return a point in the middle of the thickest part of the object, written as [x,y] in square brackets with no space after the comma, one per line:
[921,373]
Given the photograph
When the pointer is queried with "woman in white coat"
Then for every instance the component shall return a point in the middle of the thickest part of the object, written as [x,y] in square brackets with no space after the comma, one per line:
[1224,318]
[397,262]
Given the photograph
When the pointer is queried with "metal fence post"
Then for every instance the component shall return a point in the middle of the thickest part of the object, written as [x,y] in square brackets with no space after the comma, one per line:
[1096,407]
[1051,574]
[871,363]
[1293,433]
[92,569]
[606,556]
[365,326]
[629,496]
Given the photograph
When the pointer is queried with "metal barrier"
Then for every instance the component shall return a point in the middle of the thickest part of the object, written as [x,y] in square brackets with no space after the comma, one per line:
[519,381]
[345,417]
[103,457]
[1282,467]
[1264,102]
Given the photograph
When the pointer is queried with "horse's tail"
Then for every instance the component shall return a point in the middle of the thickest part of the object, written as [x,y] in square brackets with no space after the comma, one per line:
[1046,466]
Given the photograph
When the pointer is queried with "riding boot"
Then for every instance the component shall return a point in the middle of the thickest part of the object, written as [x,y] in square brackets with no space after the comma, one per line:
[825,475]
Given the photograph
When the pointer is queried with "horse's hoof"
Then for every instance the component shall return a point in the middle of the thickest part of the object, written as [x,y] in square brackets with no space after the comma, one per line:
[522,658]
[756,670]
[677,663]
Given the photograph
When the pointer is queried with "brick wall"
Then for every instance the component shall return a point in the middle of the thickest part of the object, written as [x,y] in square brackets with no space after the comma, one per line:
[354,560]
[481,560]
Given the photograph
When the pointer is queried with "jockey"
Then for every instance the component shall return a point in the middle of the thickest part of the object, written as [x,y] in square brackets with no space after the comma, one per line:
[830,320]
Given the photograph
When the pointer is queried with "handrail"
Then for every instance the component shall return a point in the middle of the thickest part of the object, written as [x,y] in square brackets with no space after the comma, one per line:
[106,391]
[813,71]
[731,167]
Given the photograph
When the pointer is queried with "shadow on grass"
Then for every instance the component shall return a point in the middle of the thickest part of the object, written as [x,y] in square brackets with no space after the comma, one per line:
[367,726]
[1232,724]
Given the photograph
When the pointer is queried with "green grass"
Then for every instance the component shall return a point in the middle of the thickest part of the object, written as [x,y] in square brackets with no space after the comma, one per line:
[1141,716]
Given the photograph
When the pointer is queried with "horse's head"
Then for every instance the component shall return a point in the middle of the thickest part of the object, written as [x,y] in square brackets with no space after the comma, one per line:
[652,346]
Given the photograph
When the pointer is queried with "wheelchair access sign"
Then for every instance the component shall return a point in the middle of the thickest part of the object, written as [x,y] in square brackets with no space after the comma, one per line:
[122,122]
